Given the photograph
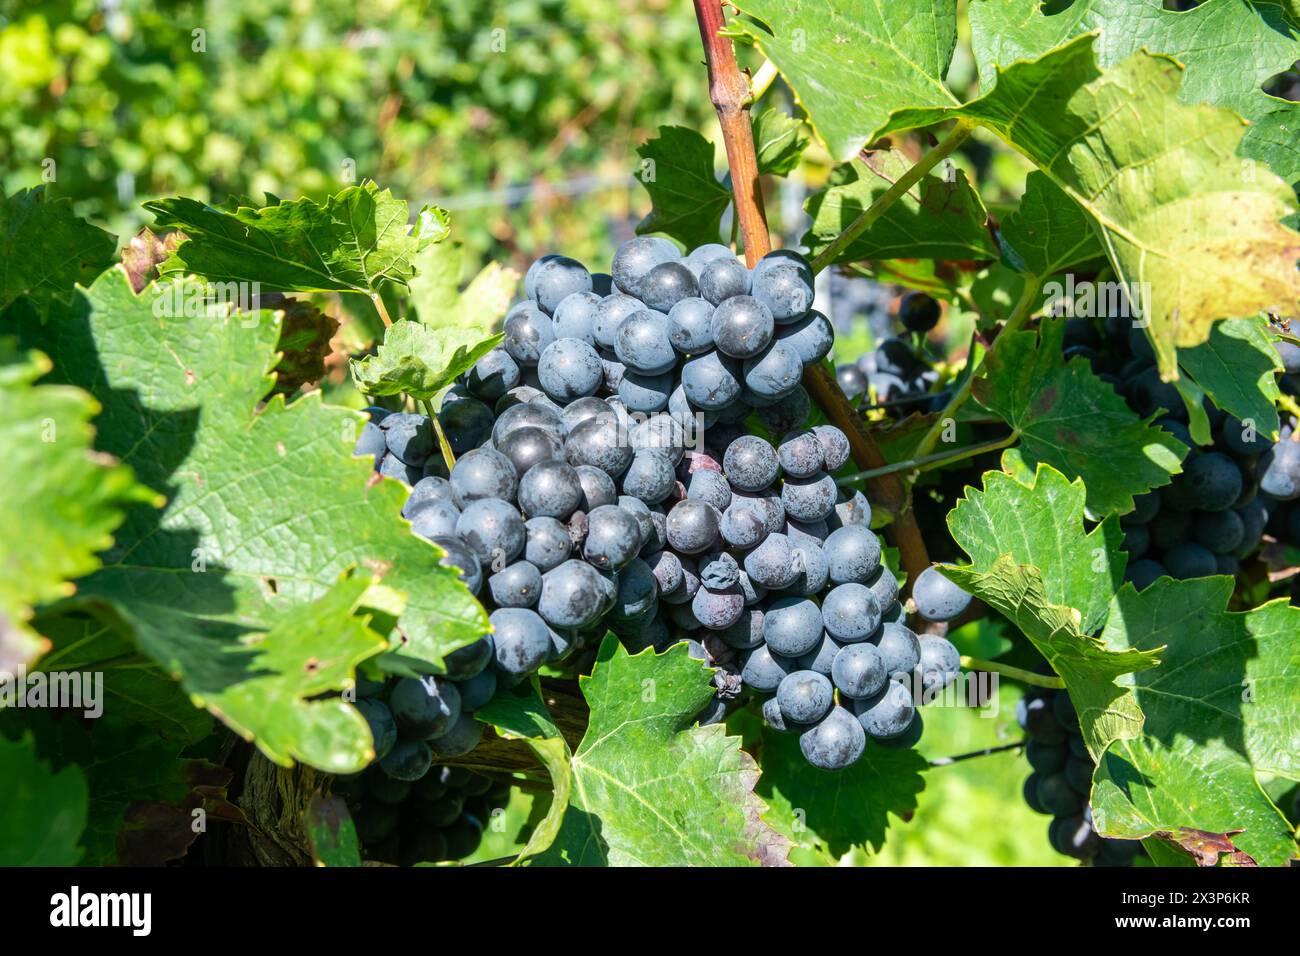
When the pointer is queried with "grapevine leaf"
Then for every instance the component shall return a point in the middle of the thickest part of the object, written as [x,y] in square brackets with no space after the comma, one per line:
[1205,244]
[135,689]
[45,810]
[419,361]
[356,241]
[830,53]
[1070,419]
[648,787]
[687,199]
[438,299]
[937,219]
[267,510]
[1031,560]
[62,500]
[1235,366]
[778,141]
[520,714]
[331,832]
[46,250]
[1220,710]
[1040,522]
[141,791]
[1048,232]
[1229,48]
[836,810]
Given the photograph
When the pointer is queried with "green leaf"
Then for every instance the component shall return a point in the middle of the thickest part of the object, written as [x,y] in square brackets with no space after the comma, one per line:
[1070,419]
[825,810]
[331,832]
[419,361]
[687,199]
[520,714]
[648,787]
[853,62]
[142,794]
[358,240]
[44,811]
[1031,560]
[1048,232]
[1206,243]
[62,500]
[1230,49]
[938,219]
[136,690]
[1220,711]
[1236,368]
[438,299]
[778,141]
[267,510]
[46,250]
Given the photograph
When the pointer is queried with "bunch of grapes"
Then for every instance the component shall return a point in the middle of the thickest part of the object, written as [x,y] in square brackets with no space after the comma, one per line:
[611,474]
[897,372]
[1062,778]
[440,817]
[1230,493]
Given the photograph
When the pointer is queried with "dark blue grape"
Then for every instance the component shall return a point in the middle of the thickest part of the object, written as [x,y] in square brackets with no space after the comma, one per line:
[638,256]
[613,538]
[854,554]
[786,413]
[940,662]
[383,728]
[744,523]
[424,707]
[666,284]
[692,526]
[859,671]
[809,499]
[551,489]
[435,520]
[852,380]
[645,393]
[804,696]
[1222,532]
[1279,471]
[763,671]
[521,640]
[742,327]
[834,743]
[463,737]
[556,278]
[409,760]
[718,609]
[835,451]
[458,555]
[724,278]
[690,584]
[800,454]
[466,423]
[711,488]
[689,326]
[937,598]
[887,713]
[746,632]
[1189,560]
[918,312]
[811,337]
[814,569]
[516,585]
[774,372]
[792,626]
[642,343]
[528,331]
[750,463]
[637,592]
[575,316]
[570,369]
[773,563]
[493,530]
[465,662]
[711,381]
[899,649]
[493,375]
[547,543]
[667,570]
[527,446]
[408,436]
[483,473]
[851,612]
[611,312]
[571,595]
[371,441]
[719,570]
[885,587]
[651,477]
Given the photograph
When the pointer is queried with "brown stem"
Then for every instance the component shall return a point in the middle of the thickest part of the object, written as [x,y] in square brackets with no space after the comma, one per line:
[729,92]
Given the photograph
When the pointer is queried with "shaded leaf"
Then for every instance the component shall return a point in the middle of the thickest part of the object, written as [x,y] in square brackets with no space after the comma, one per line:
[46,250]
[331,832]
[778,141]
[1048,232]
[1236,367]
[44,810]
[688,201]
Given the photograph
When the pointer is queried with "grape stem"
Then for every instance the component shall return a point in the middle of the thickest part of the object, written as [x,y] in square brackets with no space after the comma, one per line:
[762,81]
[1015,673]
[731,95]
[382,309]
[444,446]
[931,461]
[1019,315]
[936,154]
[986,752]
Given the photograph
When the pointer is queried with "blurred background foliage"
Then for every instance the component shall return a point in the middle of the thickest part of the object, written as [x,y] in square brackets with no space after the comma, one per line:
[522,118]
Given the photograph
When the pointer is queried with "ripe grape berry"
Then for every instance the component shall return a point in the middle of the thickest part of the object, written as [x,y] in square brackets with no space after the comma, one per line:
[636,456]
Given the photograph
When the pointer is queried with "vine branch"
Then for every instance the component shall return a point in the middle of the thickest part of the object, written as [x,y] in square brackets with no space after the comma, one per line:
[731,96]
[1015,673]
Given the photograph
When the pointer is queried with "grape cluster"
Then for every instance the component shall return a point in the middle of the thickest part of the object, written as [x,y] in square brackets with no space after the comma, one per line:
[1061,779]
[1230,493]
[440,817]
[897,371]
